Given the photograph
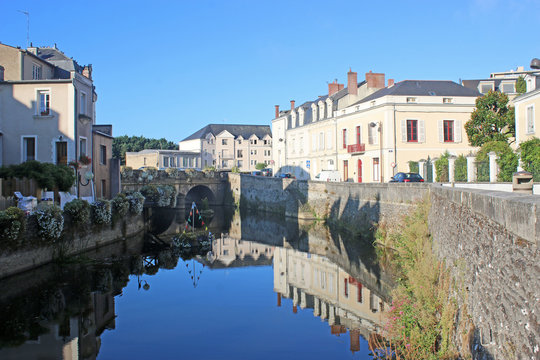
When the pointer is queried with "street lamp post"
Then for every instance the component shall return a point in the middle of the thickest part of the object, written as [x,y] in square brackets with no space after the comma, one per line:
[373,124]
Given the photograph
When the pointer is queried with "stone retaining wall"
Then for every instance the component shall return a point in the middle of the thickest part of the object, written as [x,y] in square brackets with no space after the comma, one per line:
[26,259]
[489,240]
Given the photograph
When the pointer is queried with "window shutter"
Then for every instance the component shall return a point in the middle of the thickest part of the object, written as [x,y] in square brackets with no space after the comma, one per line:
[404,130]
[313,142]
[421,131]
[457,131]
[441,131]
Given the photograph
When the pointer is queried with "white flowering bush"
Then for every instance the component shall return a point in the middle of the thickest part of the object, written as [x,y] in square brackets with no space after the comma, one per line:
[120,204]
[161,196]
[126,172]
[50,222]
[172,172]
[136,202]
[78,210]
[101,212]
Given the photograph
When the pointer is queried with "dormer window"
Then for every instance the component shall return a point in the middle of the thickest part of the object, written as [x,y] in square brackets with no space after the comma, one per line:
[36,72]
[508,87]
[484,88]
[447,100]
[411,99]
[223,141]
[253,141]
[321,111]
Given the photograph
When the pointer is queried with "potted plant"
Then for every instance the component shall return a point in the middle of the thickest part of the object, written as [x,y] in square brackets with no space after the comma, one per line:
[85,159]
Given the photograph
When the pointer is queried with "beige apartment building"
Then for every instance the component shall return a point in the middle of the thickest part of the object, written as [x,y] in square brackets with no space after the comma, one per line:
[225,146]
[47,108]
[527,118]
[370,131]
[163,159]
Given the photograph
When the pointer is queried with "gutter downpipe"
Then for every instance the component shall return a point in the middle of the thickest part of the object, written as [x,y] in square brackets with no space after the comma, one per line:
[76,132]
[395,143]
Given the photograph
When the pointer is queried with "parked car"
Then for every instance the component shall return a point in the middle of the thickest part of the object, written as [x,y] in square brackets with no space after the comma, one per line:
[267,172]
[256,173]
[407,177]
[328,175]
[287,176]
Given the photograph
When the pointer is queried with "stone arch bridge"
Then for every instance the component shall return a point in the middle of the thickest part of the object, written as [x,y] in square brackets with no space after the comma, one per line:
[194,186]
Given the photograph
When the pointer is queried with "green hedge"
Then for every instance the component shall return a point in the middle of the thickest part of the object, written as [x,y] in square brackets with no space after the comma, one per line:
[47,175]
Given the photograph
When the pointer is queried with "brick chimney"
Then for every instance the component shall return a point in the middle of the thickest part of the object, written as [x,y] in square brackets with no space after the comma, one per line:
[87,71]
[352,82]
[375,80]
[277,111]
[1,73]
[292,105]
[390,82]
[334,87]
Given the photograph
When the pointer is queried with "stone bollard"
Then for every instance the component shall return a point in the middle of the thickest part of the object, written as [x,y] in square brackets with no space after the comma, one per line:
[522,182]
[451,168]
[471,169]
[493,169]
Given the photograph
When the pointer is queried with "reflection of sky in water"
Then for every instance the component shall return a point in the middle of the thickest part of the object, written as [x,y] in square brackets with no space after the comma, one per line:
[232,314]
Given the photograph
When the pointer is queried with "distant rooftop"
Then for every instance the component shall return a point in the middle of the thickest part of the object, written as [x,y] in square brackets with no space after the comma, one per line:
[237,130]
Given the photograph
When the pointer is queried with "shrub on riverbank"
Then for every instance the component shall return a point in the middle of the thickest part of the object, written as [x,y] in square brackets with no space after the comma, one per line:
[78,211]
[136,202]
[12,225]
[161,196]
[101,212]
[420,322]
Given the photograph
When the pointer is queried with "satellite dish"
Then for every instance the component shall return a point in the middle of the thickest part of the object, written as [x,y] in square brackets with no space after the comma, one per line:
[535,63]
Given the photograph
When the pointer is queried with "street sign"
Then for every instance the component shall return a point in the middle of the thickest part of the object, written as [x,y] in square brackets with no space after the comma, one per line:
[307,164]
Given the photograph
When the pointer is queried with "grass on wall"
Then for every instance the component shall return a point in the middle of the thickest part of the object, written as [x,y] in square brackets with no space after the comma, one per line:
[421,319]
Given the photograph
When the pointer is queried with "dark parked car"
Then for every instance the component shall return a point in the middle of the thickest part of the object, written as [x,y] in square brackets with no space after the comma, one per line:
[287,176]
[407,177]
[256,173]
[266,172]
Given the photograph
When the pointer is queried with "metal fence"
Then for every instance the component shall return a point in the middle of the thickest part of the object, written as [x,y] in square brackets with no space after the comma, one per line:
[482,171]
[6,202]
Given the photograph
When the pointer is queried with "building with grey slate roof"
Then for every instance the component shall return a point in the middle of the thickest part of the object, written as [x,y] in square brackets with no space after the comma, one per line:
[48,113]
[370,130]
[225,146]
[505,82]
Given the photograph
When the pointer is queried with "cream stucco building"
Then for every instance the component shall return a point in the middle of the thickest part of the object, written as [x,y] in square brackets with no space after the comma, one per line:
[47,108]
[369,131]
[225,146]
[163,159]
[527,117]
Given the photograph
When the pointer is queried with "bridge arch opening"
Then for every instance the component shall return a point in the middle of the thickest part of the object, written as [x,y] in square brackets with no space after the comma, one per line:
[197,194]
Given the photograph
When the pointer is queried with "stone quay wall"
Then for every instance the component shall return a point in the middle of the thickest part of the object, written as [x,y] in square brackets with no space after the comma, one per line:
[488,239]
[80,241]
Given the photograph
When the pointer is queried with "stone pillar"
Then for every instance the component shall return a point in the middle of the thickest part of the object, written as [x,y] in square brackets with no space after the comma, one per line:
[493,169]
[434,169]
[421,168]
[302,300]
[471,169]
[451,168]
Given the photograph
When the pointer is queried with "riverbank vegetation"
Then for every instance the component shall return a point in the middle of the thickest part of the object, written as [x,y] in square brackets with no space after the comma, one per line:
[48,224]
[421,320]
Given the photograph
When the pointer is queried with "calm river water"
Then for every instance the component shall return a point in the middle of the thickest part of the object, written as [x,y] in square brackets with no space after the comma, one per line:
[269,288]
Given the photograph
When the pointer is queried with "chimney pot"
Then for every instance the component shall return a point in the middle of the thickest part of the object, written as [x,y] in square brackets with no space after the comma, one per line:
[390,82]
[277,111]
[352,82]
[292,105]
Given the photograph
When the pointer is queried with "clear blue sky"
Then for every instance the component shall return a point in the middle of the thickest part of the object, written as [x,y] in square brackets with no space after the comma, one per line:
[167,68]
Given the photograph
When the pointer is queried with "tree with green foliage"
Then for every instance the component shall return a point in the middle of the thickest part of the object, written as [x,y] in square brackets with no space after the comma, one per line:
[413,166]
[492,120]
[529,152]
[123,144]
[260,166]
[521,85]
[507,159]
[47,175]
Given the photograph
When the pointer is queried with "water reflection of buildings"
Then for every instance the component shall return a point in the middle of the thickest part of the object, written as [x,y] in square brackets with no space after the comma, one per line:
[230,252]
[70,337]
[314,282]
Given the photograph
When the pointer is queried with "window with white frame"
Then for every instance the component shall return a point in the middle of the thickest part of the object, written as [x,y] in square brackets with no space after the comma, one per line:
[321,140]
[223,141]
[29,148]
[373,139]
[165,161]
[44,102]
[37,72]
[411,99]
[484,88]
[313,142]
[530,119]
[83,104]
[329,143]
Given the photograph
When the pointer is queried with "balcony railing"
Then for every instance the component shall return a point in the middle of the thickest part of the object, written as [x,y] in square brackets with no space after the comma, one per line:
[356,148]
